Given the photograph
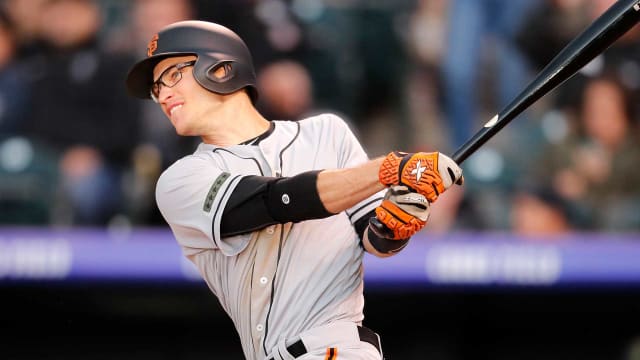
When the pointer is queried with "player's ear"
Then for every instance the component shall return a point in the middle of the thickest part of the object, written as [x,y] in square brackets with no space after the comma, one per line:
[221,72]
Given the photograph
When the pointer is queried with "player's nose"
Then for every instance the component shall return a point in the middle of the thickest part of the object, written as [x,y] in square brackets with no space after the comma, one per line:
[165,94]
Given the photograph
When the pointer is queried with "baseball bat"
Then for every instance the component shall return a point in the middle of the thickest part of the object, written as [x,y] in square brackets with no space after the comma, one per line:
[604,31]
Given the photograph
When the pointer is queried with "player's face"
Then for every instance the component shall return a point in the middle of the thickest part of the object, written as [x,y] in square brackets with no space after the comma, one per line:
[181,98]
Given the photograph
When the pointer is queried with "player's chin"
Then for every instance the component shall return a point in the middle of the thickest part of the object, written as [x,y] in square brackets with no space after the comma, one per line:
[182,130]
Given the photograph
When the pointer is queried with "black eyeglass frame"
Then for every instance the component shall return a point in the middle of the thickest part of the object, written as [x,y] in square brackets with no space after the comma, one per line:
[160,81]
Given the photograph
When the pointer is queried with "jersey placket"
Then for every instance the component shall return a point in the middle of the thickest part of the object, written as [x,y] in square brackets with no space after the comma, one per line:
[266,263]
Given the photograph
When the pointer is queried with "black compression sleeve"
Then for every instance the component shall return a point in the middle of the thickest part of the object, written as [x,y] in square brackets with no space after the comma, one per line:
[246,209]
[259,201]
[296,198]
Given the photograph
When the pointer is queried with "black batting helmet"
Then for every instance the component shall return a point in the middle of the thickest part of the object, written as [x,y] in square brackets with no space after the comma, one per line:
[213,44]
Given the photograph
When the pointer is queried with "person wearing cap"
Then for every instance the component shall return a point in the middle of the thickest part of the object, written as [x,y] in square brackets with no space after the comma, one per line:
[277,215]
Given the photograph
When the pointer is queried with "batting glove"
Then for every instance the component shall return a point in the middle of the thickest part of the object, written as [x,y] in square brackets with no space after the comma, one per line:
[430,174]
[401,214]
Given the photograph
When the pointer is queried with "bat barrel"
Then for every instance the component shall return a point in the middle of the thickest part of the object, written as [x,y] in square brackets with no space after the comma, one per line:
[616,21]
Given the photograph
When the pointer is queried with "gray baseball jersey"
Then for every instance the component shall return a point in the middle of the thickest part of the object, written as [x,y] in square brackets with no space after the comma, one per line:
[282,280]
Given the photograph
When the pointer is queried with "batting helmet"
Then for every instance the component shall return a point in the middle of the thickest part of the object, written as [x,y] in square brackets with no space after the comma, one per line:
[213,44]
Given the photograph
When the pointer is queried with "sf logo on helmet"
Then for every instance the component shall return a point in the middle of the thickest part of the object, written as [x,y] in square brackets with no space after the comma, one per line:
[153,45]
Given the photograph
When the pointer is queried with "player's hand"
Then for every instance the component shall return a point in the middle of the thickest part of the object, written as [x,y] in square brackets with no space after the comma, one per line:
[402,212]
[430,174]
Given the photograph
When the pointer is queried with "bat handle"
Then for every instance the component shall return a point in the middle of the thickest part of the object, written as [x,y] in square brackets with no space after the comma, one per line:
[471,145]
[462,153]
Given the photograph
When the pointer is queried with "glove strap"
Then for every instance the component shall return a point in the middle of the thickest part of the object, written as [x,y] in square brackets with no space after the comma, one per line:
[389,173]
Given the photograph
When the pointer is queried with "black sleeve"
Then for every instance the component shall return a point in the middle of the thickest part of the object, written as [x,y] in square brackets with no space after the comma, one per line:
[362,223]
[384,245]
[259,201]
[246,209]
[377,239]
[379,235]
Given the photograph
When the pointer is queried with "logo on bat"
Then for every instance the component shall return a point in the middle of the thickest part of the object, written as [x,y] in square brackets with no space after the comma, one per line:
[153,45]
[491,122]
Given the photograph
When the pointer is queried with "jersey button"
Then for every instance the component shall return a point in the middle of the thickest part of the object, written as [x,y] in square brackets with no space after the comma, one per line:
[263,280]
[259,327]
[270,230]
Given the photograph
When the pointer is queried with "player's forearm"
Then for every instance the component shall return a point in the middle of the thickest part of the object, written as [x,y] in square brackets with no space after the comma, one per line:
[341,189]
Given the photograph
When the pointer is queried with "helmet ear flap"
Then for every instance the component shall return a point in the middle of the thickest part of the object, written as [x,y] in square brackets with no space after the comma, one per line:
[224,76]
[221,72]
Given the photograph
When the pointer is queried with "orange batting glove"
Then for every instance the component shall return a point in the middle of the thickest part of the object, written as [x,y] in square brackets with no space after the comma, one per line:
[402,212]
[430,174]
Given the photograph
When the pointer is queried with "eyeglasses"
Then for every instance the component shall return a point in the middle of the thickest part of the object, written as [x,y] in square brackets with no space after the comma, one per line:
[169,78]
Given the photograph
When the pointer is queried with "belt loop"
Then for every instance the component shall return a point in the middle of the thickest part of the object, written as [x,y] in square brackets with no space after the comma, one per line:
[282,353]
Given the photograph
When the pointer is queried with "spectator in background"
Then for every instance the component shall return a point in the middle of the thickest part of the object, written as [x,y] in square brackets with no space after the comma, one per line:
[77,98]
[549,28]
[623,55]
[25,16]
[471,23]
[269,27]
[358,62]
[597,167]
[13,89]
[153,15]
[158,147]
[539,211]
[426,45]
[544,33]
[25,192]
[148,17]
[456,213]
[285,90]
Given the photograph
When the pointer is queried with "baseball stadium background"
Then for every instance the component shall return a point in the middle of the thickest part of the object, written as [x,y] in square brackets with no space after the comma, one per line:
[537,257]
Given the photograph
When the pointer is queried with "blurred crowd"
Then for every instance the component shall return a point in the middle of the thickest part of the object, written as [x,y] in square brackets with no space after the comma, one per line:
[412,75]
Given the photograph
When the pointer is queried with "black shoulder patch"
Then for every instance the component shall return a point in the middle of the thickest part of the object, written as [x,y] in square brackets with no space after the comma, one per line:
[208,202]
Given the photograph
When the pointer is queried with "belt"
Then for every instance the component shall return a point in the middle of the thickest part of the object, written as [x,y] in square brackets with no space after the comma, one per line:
[298,349]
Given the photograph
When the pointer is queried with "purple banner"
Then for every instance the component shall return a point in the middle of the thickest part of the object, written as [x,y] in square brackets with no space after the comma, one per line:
[92,254]
[489,259]
[458,259]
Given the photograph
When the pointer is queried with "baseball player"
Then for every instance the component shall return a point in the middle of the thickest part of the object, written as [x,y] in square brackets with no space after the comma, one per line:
[276,215]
